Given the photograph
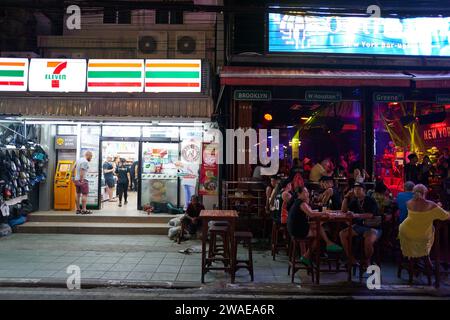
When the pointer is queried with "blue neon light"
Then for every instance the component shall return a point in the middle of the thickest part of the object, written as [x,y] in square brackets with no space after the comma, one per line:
[359,35]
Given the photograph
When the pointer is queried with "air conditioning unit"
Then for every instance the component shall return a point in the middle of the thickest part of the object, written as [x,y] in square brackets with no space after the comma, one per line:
[67,55]
[152,44]
[190,45]
[19,54]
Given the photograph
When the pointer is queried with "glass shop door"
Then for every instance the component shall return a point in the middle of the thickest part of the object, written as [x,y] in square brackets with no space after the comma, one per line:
[159,174]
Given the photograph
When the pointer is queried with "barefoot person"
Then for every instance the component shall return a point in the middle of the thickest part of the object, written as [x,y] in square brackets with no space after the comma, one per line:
[81,183]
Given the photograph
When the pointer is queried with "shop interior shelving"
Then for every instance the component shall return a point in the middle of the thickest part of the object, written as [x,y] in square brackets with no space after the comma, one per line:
[248,198]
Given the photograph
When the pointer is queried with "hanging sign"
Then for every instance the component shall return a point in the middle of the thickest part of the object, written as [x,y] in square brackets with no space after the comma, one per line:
[66,142]
[57,75]
[115,75]
[252,95]
[173,75]
[13,74]
[325,96]
[443,98]
[388,97]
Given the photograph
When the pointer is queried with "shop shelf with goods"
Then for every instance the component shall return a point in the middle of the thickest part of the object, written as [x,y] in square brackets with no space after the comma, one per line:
[249,199]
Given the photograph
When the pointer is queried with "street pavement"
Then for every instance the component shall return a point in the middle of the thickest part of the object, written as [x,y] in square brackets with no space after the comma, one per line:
[154,262]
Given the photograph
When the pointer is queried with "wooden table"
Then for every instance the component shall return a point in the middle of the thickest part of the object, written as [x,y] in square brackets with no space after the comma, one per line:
[338,217]
[441,228]
[217,215]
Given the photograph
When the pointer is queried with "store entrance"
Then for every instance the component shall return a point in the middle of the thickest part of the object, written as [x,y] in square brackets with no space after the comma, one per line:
[159,174]
[114,152]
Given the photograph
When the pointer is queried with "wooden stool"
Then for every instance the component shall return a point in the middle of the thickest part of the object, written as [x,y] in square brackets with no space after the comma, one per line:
[413,267]
[246,238]
[216,249]
[277,230]
[299,246]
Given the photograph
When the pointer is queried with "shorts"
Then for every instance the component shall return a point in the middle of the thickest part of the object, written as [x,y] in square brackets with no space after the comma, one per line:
[110,182]
[82,187]
[361,230]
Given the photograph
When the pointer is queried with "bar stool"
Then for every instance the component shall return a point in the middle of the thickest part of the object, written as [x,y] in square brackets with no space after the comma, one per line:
[277,230]
[216,249]
[375,258]
[299,246]
[244,237]
[414,268]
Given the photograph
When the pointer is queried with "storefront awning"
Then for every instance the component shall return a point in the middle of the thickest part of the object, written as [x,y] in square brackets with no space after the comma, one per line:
[107,107]
[248,76]
[434,80]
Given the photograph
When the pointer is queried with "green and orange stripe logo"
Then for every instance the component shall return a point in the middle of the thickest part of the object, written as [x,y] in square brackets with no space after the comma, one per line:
[115,75]
[173,76]
[13,74]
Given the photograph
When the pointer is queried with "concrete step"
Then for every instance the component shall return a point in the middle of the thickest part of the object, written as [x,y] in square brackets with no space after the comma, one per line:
[94,228]
[98,218]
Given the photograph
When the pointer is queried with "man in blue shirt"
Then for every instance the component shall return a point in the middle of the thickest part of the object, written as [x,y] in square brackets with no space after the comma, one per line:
[403,198]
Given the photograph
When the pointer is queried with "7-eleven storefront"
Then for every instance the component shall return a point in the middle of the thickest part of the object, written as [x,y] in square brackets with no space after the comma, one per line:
[152,113]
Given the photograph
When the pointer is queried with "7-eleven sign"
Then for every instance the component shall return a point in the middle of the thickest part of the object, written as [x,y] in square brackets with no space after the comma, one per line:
[57,75]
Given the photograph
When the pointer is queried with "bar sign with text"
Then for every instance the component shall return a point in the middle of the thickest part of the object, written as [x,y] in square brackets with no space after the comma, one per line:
[388,97]
[13,74]
[326,96]
[115,75]
[173,75]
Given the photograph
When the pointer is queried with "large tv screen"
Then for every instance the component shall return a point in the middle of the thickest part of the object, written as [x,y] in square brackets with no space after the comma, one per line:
[359,35]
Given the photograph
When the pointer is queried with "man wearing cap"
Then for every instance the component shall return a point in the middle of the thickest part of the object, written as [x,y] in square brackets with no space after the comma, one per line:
[357,201]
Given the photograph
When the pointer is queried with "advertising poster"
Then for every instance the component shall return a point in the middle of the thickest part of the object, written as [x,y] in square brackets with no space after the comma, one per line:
[90,139]
[189,167]
[209,170]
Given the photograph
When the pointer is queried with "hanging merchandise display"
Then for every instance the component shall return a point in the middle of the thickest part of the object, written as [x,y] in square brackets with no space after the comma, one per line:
[21,169]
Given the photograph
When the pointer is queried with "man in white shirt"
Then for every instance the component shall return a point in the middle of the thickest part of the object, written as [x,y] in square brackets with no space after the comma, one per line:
[81,183]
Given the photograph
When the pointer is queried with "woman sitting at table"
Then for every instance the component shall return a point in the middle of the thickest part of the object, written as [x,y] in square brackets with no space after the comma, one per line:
[416,233]
[298,225]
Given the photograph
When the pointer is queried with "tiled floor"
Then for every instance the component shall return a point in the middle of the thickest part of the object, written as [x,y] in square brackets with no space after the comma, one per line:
[137,258]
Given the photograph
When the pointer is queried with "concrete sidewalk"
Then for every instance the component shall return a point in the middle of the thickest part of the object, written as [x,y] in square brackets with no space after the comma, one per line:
[155,261]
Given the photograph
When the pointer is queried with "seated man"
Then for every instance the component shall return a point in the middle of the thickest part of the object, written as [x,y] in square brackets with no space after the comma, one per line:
[191,219]
[357,201]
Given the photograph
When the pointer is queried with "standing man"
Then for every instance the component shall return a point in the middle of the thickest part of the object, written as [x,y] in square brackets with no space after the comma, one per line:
[81,183]
[412,169]
[108,174]
[123,181]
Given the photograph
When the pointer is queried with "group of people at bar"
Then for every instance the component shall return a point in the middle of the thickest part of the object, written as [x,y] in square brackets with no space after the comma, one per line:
[295,199]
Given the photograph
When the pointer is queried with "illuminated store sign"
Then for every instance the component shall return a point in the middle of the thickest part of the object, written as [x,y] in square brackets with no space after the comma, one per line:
[57,75]
[359,35]
[13,74]
[173,75]
[101,75]
[115,75]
